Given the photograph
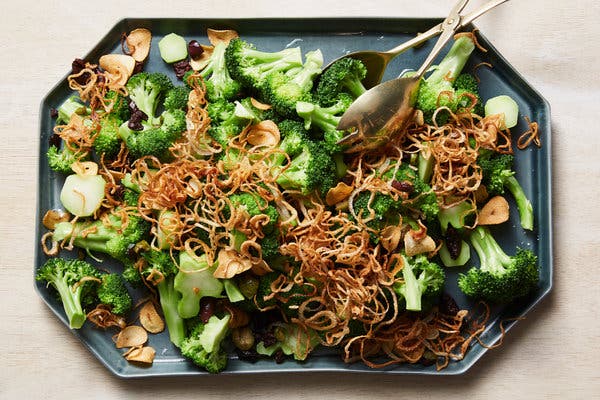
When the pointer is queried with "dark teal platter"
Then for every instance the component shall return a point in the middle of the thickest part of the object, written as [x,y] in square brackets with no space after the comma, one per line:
[334,37]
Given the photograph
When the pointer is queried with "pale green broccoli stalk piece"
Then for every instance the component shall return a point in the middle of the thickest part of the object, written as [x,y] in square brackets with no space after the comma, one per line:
[193,281]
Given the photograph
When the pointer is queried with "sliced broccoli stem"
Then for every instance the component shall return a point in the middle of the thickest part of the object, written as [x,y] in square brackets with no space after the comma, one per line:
[523,204]
[169,299]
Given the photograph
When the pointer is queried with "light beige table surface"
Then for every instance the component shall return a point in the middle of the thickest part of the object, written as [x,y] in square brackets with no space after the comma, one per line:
[554,353]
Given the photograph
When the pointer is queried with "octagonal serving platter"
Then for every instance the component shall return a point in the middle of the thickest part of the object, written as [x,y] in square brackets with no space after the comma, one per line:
[335,37]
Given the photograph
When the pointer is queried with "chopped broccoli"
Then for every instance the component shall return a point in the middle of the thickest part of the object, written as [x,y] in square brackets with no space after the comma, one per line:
[219,83]
[154,141]
[68,277]
[422,283]
[177,98]
[380,209]
[228,119]
[500,278]
[498,175]
[193,281]
[251,67]
[254,205]
[146,90]
[203,345]
[284,90]
[109,237]
[437,89]
[467,91]
[343,76]
[113,292]
[60,160]
[312,169]
[420,195]
[72,105]
[324,121]
[108,141]
[119,105]
[160,271]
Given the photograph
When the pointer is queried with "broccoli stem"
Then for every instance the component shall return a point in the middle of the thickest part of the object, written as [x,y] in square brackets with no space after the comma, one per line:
[71,302]
[412,292]
[491,256]
[169,298]
[523,204]
[454,61]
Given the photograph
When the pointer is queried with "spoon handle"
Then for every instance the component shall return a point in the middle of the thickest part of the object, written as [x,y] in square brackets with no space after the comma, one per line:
[449,27]
[435,30]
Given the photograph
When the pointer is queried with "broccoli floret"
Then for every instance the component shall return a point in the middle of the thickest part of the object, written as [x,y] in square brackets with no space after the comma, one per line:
[173,123]
[284,90]
[146,90]
[219,83]
[203,345]
[343,76]
[119,105]
[72,105]
[251,67]
[467,91]
[60,160]
[177,98]
[254,205]
[193,281]
[422,283]
[160,271]
[312,169]
[458,214]
[420,195]
[68,277]
[113,292]
[437,89]
[498,175]
[292,339]
[380,209]
[228,119]
[324,120]
[500,278]
[108,141]
[155,140]
[108,237]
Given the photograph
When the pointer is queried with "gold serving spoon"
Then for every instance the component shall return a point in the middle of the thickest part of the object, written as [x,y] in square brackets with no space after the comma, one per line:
[385,108]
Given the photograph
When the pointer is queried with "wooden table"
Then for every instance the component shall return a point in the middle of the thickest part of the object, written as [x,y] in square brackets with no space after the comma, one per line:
[554,353]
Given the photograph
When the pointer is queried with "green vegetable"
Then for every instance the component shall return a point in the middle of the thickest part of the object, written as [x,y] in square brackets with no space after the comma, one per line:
[74,280]
[437,89]
[499,175]
[161,271]
[193,281]
[219,83]
[503,105]
[82,195]
[251,67]
[203,345]
[172,48]
[109,237]
[284,90]
[113,292]
[423,282]
[500,278]
[343,76]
